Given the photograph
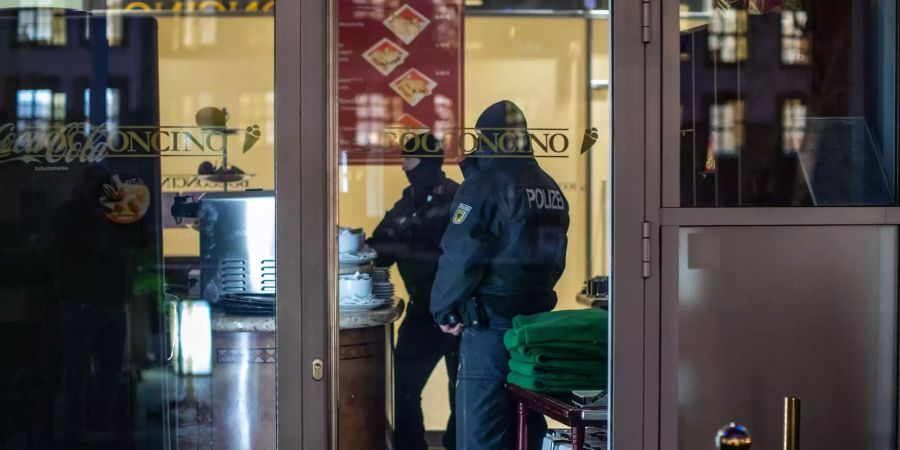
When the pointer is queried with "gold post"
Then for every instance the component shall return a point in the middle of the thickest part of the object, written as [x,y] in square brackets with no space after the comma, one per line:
[791,423]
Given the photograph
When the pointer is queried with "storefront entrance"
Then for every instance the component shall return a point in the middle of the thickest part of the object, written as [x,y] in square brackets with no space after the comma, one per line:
[715,181]
[159,160]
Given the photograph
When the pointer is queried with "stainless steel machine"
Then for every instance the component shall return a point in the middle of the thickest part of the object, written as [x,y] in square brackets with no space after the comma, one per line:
[237,246]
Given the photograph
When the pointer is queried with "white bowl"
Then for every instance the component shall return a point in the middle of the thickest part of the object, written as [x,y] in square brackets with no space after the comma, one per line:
[349,242]
[357,285]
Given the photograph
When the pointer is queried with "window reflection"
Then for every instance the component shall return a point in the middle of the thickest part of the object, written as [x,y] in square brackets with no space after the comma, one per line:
[794,114]
[727,127]
[113,28]
[794,43]
[113,106]
[40,107]
[788,103]
[728,35]
[41,26]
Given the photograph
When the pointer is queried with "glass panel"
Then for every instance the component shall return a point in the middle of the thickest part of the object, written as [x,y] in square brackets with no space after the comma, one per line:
[137,263]
[455,208]
[788,103]
[744,345]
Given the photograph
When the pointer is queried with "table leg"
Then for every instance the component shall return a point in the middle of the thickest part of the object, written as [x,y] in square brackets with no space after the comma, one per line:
[577,437]
[522,435]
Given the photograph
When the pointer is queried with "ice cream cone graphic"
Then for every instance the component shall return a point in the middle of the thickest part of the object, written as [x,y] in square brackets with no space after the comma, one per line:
[251,137]
[590,138]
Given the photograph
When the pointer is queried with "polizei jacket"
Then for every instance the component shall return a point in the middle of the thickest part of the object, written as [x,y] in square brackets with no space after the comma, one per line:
[506,241]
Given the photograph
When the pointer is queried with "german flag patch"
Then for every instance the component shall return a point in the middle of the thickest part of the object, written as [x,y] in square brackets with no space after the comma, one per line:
[462,211]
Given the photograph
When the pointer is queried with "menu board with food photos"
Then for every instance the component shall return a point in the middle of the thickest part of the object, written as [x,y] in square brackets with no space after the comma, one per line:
[399,74]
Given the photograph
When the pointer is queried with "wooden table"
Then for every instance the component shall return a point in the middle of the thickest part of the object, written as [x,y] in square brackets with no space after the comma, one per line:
[567,413]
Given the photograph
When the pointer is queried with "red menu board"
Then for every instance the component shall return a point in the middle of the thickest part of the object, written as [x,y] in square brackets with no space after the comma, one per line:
[399,74]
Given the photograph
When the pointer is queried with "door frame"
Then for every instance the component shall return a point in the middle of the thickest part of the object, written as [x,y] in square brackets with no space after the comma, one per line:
[633,318]
[306,208]
[304,84]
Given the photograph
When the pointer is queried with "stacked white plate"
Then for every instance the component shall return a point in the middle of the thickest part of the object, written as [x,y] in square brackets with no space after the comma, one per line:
[361,257]
[383,289]
[381,274]
[350,304]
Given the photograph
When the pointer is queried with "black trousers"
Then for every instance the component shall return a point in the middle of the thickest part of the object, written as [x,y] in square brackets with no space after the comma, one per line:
[487,416]
[420,345]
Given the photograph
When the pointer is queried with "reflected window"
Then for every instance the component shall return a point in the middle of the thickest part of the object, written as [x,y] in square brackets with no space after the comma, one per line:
[372,116]
[728,35]
[40,107]
[113,102]
[793,112]
[794,43]
[113,28]
[41,26]
[726,127]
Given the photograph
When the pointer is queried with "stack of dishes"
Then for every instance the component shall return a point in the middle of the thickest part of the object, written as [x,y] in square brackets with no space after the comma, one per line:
[352,249]
[356,293]
[243,304]
[381,274]
[381,283]
[383,290]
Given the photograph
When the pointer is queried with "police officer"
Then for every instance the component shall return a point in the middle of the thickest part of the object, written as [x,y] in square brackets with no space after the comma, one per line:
[410,236]
[503,252]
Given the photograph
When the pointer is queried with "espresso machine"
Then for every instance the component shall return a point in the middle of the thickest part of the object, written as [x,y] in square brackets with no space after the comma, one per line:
[237,249]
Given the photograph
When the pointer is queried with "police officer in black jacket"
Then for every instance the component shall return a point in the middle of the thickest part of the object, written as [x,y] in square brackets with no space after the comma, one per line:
[503,252]
[410,236]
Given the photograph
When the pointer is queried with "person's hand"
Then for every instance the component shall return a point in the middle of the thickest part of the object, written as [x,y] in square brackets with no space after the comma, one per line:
[452,329]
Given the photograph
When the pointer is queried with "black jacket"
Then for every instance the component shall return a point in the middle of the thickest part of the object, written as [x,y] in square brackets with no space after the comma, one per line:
[506,243]
[410,235]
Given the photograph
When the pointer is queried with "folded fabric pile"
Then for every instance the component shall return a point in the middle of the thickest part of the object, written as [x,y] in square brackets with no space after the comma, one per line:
[559,351]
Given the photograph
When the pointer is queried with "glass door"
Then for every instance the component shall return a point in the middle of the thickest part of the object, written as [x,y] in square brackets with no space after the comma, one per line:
[137,170]
[473,193]
[778,134]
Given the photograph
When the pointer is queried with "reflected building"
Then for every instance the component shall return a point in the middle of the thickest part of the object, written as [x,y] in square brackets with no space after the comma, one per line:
[784,144]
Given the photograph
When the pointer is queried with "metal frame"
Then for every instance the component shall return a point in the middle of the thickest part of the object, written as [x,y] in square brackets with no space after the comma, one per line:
[663,210]
[629,394]
[303,31]
[669,102]
[307,211]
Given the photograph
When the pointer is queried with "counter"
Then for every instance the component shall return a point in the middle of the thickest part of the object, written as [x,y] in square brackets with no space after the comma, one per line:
[243,379]
[359,319]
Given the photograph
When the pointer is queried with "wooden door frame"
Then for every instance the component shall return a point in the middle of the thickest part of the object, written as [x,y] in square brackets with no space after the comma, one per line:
[304,91]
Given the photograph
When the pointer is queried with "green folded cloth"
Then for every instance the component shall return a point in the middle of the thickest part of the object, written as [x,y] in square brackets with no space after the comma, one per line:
[580,368]
[561,351]
[558,351]
[559,329]
[551,386]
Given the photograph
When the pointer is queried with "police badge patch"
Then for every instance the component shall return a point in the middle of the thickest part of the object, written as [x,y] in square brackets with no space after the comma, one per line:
[462,211]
